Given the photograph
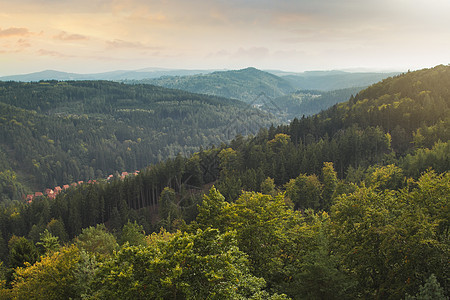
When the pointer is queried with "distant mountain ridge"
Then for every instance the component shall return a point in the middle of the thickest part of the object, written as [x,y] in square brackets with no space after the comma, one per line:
[273,91]
[334,80]
[275,94]
[113,75]
[309,80]
[245,84]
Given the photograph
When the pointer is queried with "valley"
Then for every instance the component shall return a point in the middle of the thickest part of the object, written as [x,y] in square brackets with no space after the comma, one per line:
[320,198]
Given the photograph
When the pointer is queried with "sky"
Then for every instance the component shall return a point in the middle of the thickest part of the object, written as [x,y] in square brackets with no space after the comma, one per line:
[89,36]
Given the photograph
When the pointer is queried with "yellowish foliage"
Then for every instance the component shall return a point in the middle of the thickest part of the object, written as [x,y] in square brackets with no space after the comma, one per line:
[51,278]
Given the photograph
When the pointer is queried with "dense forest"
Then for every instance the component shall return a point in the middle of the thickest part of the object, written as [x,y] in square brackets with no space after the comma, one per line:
[284,96]
[54,133]
[333,80]
[306,102]
[245,85]
[351,203]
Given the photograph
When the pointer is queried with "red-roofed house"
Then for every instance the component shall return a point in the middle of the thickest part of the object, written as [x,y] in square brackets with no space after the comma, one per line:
[66,186]
[38,194]
[30,198]
[57,189]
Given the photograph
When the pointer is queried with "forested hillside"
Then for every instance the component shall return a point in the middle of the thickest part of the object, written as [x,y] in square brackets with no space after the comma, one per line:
[246,84]
[351,203]
[286,97]
[306,102]
[54,133]
[333,80]
[113,75]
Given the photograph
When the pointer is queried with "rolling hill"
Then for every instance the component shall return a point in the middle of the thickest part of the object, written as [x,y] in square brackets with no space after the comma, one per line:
[334,80]
[53,133]
[306,102]
[345,197]
[113,75]
[285,96]
[245,85]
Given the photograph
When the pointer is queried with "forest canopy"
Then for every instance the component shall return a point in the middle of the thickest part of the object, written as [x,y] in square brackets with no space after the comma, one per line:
[54,133]
[351,203]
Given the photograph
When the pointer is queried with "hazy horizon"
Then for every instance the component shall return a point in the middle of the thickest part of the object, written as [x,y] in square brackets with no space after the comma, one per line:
[293,36]
[150,69]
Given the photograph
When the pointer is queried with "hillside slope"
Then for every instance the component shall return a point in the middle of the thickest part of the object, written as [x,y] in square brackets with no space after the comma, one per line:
[53,133]
[346,135]
[113,75]
[246,84]
[335,198]
[287,96]
[306,102]
[367,130]
[334,80]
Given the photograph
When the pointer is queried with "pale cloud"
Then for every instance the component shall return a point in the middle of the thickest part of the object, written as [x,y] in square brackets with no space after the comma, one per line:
[146,16]
[44,52]
[220,53]
[120,44]
[253,53]
[52,6]
[13,31]
[288,19]
[23,44]
[19,46]
[64,36]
